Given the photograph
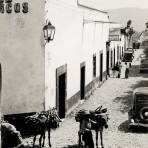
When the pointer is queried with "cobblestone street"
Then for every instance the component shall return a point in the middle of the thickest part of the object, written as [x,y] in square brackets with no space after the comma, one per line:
[115,94]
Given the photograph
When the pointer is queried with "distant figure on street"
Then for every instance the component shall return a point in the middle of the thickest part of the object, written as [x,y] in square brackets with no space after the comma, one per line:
[116,68]
[120,67]
[114,71]
[126,71]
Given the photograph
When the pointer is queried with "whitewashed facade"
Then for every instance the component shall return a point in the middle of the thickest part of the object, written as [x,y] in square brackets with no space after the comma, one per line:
[81,34]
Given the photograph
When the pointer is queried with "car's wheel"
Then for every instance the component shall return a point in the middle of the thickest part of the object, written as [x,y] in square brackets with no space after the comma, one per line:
[144,114]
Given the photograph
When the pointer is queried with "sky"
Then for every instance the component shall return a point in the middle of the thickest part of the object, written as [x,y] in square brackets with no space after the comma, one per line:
[114,4]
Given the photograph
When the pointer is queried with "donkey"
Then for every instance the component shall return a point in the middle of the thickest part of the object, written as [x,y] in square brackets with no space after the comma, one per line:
[42,121]
[99,119]
[98,124]
[52,122]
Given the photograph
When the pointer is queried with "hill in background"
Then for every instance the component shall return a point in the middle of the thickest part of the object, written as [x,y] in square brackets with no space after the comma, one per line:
[138,16]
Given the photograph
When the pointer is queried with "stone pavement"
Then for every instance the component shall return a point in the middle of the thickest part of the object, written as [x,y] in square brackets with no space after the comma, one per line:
[115,94]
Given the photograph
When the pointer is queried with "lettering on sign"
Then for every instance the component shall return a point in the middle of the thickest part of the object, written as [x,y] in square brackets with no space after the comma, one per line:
[1,7]
[25,7]
[8,6]
[17,7]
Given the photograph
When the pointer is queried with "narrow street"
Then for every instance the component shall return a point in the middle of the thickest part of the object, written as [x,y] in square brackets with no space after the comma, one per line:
[58,57]
[115,94]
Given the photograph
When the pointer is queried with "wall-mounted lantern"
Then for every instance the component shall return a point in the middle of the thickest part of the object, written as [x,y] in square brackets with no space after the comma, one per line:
[49,32]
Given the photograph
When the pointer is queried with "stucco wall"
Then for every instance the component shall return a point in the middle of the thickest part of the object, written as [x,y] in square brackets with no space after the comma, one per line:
[22,59]
[64,49]
[73,44]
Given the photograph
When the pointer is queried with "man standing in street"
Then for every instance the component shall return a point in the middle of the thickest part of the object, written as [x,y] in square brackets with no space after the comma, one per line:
[126,71]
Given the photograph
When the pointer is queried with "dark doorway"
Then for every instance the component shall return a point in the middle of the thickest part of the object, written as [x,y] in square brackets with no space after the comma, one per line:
[82,83]
[94,66]
[101,66]
[62,92]
[111,59]
[114,57]
[118,53]
[107,62]
[122,51]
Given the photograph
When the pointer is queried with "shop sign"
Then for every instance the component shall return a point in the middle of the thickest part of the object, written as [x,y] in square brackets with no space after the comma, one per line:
[6,6]
[114,37]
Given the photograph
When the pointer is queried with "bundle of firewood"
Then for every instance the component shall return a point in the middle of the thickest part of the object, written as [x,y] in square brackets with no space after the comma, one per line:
[49,118]
[91,114]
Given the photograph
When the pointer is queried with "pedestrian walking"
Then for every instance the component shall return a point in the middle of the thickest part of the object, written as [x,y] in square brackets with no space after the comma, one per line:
[126,71]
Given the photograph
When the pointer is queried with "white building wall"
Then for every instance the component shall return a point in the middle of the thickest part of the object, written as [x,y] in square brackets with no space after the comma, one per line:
[73,44]
[64,49]
[95,38]
[98,45]
[88,50]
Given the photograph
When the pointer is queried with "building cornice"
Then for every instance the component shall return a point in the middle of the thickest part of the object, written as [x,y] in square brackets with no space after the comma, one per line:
[98,21]
[90,8]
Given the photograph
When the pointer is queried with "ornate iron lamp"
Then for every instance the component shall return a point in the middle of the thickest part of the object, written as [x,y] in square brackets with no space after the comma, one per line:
[49,32]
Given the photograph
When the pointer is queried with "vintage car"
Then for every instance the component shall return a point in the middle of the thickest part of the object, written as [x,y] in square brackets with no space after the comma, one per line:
[138,114]
[130,50]
[128,57]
